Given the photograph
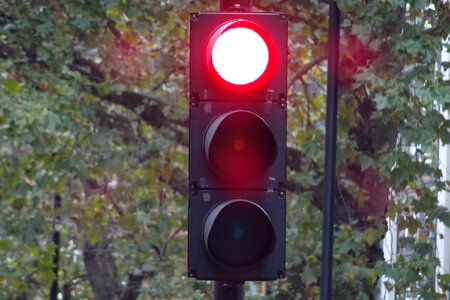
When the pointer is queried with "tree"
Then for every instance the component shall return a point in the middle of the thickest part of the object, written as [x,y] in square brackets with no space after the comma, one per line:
[93,108]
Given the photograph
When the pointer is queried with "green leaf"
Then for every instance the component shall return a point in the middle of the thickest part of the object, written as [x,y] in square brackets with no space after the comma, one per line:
[5,244]
[372,235]
[309,275]
[129,222]
[149,267]
[12,86]
[82,22]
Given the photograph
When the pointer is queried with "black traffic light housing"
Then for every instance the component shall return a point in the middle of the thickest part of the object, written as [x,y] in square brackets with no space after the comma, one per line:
[203,264]
[237,153]
[203,171]
[204,84]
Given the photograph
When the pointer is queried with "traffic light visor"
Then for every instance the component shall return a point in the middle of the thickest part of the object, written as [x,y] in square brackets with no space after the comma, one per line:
[239,234]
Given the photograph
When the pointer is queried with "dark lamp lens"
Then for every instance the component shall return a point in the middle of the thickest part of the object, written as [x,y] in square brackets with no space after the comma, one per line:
[239,234]
[240,145]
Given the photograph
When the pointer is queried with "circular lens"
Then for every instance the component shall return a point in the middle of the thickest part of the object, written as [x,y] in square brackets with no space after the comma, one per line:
[240,55]
[239,234]
[240,145]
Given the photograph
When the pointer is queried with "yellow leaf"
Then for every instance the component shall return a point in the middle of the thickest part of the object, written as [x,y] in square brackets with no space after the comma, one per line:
[316,72]
[351,275]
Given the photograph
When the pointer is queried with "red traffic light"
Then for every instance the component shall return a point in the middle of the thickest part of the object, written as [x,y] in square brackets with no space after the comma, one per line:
[237,145]
[240,53]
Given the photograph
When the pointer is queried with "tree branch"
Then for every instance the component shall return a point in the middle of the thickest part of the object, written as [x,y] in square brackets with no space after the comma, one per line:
[89,68]
[152,108]
[112,26]
[305,69]
[295,17]
[68,286]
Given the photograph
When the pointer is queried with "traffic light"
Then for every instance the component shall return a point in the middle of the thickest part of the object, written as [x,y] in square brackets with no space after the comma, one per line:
[237,146]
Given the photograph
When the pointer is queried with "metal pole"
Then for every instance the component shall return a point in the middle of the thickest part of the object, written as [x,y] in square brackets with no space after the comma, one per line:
[235,5]
[224,290]
[330,154]
[56,240]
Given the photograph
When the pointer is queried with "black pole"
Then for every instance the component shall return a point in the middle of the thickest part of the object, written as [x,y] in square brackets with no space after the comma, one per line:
[224,290]
[56,240]
[236,5]
[330,154]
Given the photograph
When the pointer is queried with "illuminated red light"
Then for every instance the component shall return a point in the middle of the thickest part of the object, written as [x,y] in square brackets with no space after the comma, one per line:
[240,55]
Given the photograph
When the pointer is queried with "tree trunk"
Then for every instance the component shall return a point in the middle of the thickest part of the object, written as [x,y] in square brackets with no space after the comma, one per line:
[102,271]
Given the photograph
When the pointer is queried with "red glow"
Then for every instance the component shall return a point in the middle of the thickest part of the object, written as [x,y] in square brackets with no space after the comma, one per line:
[355,56]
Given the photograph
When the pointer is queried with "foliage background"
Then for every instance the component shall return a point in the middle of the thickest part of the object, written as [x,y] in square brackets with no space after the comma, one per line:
[93,107]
